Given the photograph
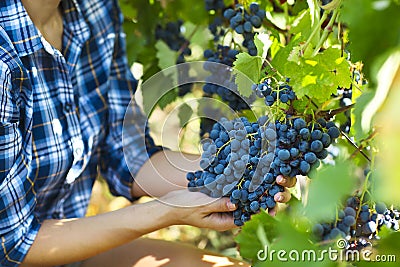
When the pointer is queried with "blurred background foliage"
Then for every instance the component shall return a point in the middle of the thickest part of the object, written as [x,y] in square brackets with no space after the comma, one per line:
[376,44]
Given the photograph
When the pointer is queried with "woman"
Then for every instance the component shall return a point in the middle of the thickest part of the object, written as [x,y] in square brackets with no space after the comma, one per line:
[65,87]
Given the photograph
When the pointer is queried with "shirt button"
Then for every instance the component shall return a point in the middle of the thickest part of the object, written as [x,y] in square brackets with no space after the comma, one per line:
[78,152]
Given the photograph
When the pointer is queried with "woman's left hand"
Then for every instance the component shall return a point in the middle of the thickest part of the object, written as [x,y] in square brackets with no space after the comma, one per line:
[284,196]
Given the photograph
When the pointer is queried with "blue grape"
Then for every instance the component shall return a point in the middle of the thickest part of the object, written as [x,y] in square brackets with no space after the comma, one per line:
[333,132]
[284,154]
[316,146]
[380,207]
[310,157]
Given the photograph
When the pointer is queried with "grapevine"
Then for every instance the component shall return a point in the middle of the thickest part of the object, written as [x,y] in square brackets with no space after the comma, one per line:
[315,80]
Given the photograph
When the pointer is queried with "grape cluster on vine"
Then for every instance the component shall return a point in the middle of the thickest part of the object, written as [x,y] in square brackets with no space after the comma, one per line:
[242,159]
[244,21]
[266,90]
[221,81]
[172,35]
[216,22]
[359,224]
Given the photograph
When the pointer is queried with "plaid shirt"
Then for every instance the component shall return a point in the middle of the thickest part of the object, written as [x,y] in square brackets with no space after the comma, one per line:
[61,117]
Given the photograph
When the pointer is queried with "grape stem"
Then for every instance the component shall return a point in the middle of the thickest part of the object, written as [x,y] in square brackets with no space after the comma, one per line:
[332,112]
[230,140]
[326,31]
[186,44]
[346,136]
[365,187]
[355,145]
[316,28]
[372,135]
[272,68]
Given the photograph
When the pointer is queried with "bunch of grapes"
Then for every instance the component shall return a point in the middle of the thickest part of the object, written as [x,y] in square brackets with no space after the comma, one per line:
[244,21]
[221,81]
[266,90]
[214,5]
[216,22]
[243,159]
[172,35]
[358,224]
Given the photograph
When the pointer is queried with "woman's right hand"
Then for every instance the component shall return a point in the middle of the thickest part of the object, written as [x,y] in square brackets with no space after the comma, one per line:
[200,210]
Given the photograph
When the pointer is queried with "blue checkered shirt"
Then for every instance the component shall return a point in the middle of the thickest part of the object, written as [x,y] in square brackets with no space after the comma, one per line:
[61,118]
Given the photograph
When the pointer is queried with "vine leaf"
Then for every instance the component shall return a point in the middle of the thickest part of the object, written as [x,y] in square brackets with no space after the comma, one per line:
[249,242]
[263,236]
[185,113]
[158,90]
[247,70]
[262,43]
[361,103]
[327,190]
[318,77]
[166,56]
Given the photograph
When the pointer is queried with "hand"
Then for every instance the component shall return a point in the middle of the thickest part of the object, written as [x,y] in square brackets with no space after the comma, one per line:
[284,196]
[200,210]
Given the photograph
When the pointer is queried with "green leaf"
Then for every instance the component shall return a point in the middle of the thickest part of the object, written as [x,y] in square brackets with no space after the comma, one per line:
[280,55]
[198,35]
[159,90]
[247,70]
[192,11]
[249,243]
[185,113]
[302,24]
[293,243]
[327,190]
[127,9]
[388,249]
[383,18]
[332,5]
[278,19]
[167,98]
[262,43]
[318,77]
[166,56]
[361,102]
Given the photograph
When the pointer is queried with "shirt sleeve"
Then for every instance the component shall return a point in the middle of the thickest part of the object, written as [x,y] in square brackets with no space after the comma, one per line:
[18,225]
[128,142]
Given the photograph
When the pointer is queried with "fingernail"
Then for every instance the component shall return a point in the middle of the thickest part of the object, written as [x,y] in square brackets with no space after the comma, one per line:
[282,180]
[280,198]
[230,205]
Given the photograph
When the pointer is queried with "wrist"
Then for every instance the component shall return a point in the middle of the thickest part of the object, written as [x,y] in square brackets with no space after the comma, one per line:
[154,215]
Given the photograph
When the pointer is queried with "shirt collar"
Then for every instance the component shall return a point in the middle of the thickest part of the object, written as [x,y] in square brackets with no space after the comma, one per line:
[19,27]
[74,21]
[24,35]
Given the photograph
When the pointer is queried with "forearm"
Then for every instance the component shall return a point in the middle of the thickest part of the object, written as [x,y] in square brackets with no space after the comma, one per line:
[64,241]
[164,172]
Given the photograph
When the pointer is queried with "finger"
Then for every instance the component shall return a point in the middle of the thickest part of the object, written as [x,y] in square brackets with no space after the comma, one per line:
[221,221]
[221,205]
[273,211]
[286,181]
[283,197]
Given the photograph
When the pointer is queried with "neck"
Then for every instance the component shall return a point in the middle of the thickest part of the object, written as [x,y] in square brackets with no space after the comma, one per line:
[41,12]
